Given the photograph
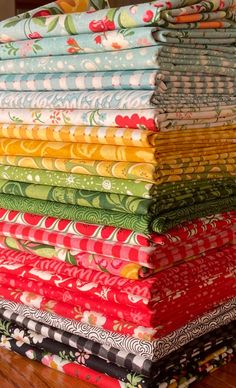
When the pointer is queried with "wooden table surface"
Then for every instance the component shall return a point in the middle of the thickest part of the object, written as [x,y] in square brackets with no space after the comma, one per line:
[19,372]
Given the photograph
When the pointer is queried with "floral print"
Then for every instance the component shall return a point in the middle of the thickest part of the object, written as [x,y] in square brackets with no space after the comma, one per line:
[157,13]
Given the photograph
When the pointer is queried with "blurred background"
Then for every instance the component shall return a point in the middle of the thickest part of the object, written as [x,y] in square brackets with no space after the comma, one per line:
[10,8]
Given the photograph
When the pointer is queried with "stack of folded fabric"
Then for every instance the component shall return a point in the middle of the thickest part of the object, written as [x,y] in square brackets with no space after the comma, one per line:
[118,190]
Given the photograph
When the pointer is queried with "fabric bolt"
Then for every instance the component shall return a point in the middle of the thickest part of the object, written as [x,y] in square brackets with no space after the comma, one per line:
[76,150]
[220,37]
[142,294]
[125,80]
[213,15]
[95,183]
[90,199]
[71,241]
[156,311]
[63,275]
[100,117]
[148,294]
[185,376]
[138,223]
[73,134]
[72,299]
[110,99]
[121,170]
[152,350]
[79,44]
[111,323]
[58,7]
[29,337]
[130,59]
[210,224]
[196,348]
[199,193]
[170,219]
[99,255]
[191,83]
[138,59]
[94,261]
[121,267]
[103,232]
[117,189]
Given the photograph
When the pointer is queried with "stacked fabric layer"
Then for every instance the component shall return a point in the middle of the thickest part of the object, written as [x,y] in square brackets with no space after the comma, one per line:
[109,175]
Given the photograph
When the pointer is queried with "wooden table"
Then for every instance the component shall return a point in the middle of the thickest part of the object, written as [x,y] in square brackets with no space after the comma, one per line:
[19,372]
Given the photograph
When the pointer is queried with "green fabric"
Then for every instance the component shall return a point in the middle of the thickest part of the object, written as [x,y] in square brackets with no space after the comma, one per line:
[76,181]
[188,196]
[94,199]
[185,186]
[137,223]
[169,220]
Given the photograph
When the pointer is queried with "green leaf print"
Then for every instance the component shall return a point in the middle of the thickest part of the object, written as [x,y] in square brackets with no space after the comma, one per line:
[70,258]
[111,14]
[12,243]
[4,327]
[15,119]
[69,25]
[134,381]
[12,23]
[40,21]
[44,251]
[125,20]
[53,23]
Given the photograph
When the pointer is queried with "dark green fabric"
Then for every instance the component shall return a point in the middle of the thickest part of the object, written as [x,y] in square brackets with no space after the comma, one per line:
[86,198]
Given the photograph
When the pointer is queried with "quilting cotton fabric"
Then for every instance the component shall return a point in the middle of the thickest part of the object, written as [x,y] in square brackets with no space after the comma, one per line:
[152,350]
[103,232]
[100,117]
[95,183]
[90,199]
[125,80]
[79,44]
[196,348]
[210,15]
[99,99]
[122,170]
[74,134]
[76,150]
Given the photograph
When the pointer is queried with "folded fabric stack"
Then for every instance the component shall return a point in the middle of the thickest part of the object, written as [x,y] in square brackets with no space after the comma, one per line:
[118,190]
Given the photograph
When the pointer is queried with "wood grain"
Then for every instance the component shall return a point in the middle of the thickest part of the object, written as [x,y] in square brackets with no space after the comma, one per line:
[19,372]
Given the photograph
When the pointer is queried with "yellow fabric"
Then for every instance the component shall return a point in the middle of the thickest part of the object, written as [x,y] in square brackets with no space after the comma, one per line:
[71,6]
[79,134]
[76,151]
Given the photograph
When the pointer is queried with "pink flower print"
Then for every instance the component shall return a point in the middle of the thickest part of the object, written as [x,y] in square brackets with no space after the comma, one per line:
[49,361]
[81,357]
[5,38]
[143,42]
[26,48]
